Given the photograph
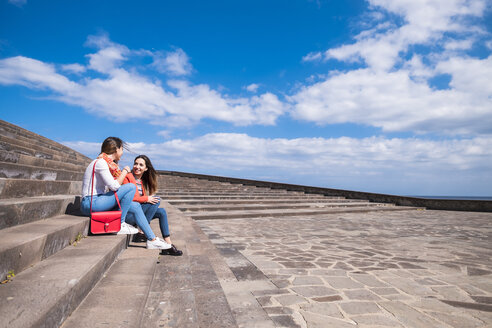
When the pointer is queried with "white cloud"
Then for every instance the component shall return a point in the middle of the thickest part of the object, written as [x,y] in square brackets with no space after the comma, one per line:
[425,21]
[176,63]
[253,87]
[313,56]
[164,133]
[123,94]
[396,102]
[74,68]
[33,74]
[404,165]
[459,44]
[396,93]
[110,55]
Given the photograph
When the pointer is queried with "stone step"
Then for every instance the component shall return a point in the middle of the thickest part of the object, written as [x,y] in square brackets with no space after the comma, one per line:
[244,196]
[18,171]
[45,294]
[215,215]
[15,132]
[280,205]
[13,145]
[124,289]
[179,203]
[18,158]
[17,188]
[143,289]
[228,192]
[25,245]
[16,211]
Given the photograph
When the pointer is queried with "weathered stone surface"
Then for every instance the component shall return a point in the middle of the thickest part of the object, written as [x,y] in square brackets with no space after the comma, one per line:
[368,280]
[327,298]
[287,300]
[457,321]
[384,290]
[285,321]
[361,294]
[376,320]
[307,280]
[318,321]
[342,283]
[360,307]
[409,316]
[326,309]
[312,291]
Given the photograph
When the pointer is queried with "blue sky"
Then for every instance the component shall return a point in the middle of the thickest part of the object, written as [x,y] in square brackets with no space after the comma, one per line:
[390,96]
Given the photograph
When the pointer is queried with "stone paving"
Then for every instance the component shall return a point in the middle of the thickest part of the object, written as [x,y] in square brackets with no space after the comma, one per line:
[376,269]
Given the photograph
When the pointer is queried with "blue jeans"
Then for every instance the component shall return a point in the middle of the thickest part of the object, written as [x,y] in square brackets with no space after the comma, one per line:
[107,201]
[153,211]
[131,212]
[137,216]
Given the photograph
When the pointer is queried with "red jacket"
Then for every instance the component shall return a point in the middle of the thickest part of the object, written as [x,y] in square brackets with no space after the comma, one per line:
[137,198]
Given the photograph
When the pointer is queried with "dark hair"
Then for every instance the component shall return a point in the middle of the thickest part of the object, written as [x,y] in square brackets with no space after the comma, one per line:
[110,144]
[149,177]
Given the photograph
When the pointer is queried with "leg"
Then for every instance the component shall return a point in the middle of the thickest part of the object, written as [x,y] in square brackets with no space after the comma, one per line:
[163,224]
[125,195]
[107,201]
[153,211]
[136,216]
[149,210]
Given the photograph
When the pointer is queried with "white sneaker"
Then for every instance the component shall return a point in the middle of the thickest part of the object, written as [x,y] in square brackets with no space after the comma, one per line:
[158,244]
[127,229]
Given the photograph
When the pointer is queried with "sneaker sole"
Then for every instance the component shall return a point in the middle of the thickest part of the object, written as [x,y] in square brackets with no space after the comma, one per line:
[155,247]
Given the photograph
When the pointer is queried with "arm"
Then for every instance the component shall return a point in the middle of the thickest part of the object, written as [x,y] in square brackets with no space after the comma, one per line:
[123,174]
[137,198]
[102,170]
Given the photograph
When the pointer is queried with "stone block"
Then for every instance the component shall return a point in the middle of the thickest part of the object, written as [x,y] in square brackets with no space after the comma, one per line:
[376,320]
[319,321]
[326,309]
[361,294]
[307,280]
[368,280]
[312,291]
[287,300]
[409,316]
[360,307]
[342,282]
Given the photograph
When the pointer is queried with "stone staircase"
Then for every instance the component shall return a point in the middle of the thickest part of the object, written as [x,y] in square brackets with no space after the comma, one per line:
[207,200]
[42,237]
[64,278]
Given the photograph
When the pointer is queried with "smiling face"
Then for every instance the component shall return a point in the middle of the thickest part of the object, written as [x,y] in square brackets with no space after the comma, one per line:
[139,167]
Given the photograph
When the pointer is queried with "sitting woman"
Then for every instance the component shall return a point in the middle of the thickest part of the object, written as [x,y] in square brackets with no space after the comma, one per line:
[108,176]
[144,177]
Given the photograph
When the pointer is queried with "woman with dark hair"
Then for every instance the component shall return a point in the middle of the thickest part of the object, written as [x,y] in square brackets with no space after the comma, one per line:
[144,177]
[108,180]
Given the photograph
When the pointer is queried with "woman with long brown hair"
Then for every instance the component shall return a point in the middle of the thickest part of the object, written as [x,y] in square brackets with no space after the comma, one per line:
[144,177]
[108,176]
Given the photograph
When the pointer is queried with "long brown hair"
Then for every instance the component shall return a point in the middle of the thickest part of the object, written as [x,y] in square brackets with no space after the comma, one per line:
[110,144]
[149,177]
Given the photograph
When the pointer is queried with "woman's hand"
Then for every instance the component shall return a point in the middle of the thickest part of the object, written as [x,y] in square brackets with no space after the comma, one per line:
[153,200]
[123,174]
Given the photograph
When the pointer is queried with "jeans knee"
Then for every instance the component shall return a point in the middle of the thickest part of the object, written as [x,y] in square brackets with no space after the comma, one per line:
[134,207]
[161,213]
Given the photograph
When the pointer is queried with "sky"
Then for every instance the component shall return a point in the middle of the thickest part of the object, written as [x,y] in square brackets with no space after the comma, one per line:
[385,96]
